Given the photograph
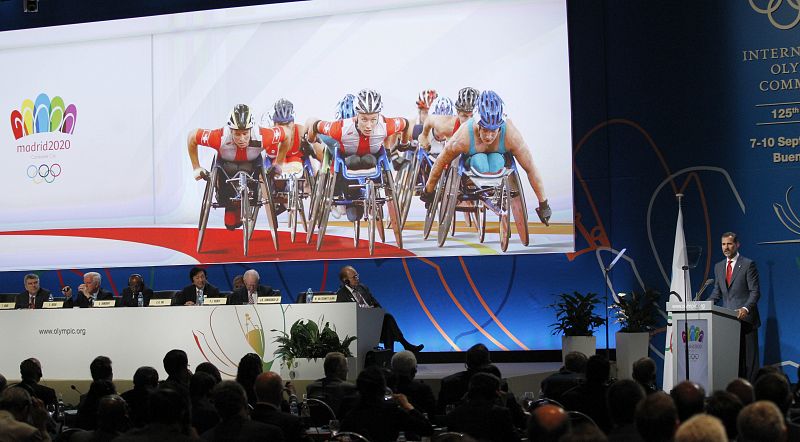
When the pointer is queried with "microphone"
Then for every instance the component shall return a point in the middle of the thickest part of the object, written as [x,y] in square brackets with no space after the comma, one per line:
[73,387]
[616,258]
[708,282]
[677,296]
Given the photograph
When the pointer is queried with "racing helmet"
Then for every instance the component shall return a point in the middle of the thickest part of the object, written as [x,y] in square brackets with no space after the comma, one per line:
[426,98]
[282,111]
[241,117]
[490,110]
[442,106]
[344,108]
[467,98]
[368,102]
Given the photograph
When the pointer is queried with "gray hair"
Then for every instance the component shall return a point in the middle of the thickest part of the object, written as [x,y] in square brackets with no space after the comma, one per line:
[94,275]
[31,276]
[404,363]
[253,273]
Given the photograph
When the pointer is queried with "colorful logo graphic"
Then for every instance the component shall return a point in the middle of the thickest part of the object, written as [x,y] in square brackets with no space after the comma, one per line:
[696,334]
[44,173]
[44,115]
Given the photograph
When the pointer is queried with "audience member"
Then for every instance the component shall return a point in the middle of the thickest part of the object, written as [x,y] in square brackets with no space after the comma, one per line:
[726,407]
[269,391]
[689,399]
[100,369]
[743,389]
[238,282]
[404,369]
[644,372]
[112,421]
[136,286]
[773,387]
[656,417]
[333,389]
[251,291]
[548,423]
[454,387]
[88,292]
[145,380]
[506,398]
[623,396]
[568,376]
[379,419]
[204,415]
[701,428]
[480,416]
[208,367]
[584,432]
[230,400]
[176,364]
[87,410]
[761,421]
[250,366]
[30,371]
[168,411]
[3,383]
[590,397]
[33,296]
[17,409]
[189,295]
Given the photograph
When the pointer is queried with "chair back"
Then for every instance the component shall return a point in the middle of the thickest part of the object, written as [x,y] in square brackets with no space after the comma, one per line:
[349,436]
[320,413]
[577,418]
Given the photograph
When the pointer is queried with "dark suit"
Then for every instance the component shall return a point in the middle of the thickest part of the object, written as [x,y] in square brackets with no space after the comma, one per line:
[43,393]
[239,428]
[130,299]
[482,420]
[83,302]
[743,291]
[390,331]
[340,395]
[292,426]
[41,296]
[382,422]
[240,297]
[189,293]
[452,389]
[420,395]
[555,385]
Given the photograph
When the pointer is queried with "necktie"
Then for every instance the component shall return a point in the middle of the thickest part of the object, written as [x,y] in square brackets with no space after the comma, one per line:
[729,273]
[359,299]
[32,302]
[252,299]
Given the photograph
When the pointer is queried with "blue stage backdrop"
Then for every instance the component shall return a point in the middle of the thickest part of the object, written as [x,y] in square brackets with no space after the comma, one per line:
[666,99]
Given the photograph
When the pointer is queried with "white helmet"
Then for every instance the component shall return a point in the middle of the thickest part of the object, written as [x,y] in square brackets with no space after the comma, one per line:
[368,101]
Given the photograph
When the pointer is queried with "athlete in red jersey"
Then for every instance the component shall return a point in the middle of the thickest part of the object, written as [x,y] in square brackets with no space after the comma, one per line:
[288,155]
[444,126]
[239,147]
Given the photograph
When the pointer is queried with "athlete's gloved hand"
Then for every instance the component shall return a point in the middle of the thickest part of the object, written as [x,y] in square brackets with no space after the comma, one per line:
[427,198]
[544,212]
[424,141]
[200,174]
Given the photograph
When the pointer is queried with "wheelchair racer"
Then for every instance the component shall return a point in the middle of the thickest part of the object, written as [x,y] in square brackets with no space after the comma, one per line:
[287,156]
[444,125]
[485,143]
[424,102]
[238,145]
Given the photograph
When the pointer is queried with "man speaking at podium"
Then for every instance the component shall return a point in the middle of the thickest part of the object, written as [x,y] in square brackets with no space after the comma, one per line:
[737,285]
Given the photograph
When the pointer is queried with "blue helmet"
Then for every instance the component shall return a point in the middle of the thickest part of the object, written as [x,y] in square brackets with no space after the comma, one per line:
[490,110]
[442,106]
[344,108]
[283,111]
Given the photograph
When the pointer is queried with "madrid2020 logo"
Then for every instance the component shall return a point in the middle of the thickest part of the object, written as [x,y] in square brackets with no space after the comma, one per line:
[43,115]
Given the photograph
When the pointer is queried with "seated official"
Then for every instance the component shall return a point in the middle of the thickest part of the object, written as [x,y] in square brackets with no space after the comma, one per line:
[353,291]
[130,295]
[33,296]
[88,292]
[251,291]
[334,389]
[189,295]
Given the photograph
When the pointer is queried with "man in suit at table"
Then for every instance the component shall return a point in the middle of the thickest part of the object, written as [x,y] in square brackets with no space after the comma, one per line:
[200,284]
[353,291]
[737,285]
[251,291]
[88,292]
[33,296]
[130,295]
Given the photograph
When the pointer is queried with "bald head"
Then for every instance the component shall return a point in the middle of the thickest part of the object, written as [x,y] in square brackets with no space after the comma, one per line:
[268,387]
[742,389]
[689,399]
[112,413]
[548,423]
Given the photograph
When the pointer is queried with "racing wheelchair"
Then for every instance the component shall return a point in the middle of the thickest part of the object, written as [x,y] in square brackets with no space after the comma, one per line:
[288,191]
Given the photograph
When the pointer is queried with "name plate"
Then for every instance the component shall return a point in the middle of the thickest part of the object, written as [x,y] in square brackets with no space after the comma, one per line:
[269,299]
[323,298]
[105,304]
[215,301]
[53,304]
[160,302]
[7,305]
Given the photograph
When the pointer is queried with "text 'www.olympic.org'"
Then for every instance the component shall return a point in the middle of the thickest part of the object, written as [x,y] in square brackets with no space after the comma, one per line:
[63,331]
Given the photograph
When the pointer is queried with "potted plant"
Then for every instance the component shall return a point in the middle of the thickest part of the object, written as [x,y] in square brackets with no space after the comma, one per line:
[305,344]
[576,321]
[636,314]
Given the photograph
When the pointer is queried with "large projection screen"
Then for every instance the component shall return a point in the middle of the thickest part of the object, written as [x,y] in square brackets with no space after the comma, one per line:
[95,161]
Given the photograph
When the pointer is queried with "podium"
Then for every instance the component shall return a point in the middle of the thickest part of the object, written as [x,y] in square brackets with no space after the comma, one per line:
[714,334]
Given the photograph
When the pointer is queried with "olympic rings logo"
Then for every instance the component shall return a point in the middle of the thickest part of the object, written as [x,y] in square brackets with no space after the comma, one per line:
[43,172]
[773,7]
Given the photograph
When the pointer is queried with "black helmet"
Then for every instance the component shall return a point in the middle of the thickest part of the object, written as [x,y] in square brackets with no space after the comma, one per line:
[240,118]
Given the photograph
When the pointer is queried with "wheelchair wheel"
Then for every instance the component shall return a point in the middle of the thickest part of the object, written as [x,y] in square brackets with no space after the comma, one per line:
[481,217]
[519,209]
[505,214]
[325,204]
[316,197]
[370,209]
[294,204]
[389,189]
[448,205]
[268,191]
[408,189]
[244,212]
[381,229]
[356,232]
[205,208]
[254,208]
[430,213]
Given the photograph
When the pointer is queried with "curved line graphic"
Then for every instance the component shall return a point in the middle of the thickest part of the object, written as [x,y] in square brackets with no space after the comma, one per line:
[213,335]
[425,307]
[205,339]
[511,276]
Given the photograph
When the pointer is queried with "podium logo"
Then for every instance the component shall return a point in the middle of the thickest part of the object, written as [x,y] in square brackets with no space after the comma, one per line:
[782,14]
[44,172]
[696,334]
[43,115]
